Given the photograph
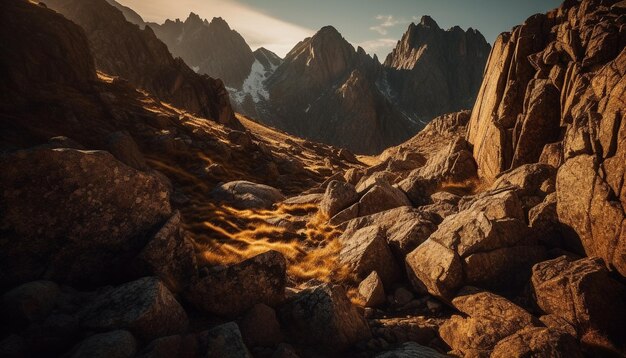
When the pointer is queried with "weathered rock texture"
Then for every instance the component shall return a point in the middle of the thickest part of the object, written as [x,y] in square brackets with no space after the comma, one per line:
[74,216]
[433,71]
[120,48]
[582,293]
[553,91]
[229,291]
[324,316]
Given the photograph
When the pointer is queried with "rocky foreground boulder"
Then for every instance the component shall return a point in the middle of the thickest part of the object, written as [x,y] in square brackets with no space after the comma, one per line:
[322,316]
[230,291]
[75,216]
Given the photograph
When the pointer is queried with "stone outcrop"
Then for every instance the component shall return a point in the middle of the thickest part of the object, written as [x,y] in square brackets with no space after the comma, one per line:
[122,49]
[225,341]
[582,293]
[144,307]
[365,251]
[489,319]
[486,245]
[405,228]
[538,341]
[219,291]
[324,317]
[553,92]
[73,215]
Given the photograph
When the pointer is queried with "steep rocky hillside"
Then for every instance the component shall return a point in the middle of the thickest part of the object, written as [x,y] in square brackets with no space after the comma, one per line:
[122,49]
[129,227]
[554,93]
[211,48]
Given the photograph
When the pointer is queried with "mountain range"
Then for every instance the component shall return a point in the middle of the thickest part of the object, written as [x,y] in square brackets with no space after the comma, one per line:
[141,216]
[340,95]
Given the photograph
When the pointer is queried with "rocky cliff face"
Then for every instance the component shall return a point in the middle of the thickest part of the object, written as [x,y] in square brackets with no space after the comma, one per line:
[210,48]
[434,71]
[122,49]
[554,93]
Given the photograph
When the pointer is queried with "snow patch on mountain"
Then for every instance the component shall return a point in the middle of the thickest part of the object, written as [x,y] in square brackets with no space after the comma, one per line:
[254,85]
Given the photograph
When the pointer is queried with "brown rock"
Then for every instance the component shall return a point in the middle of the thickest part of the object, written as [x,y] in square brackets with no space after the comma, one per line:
[30,302]
[365,251]
[338,196]
[411,350]
[472,248]
[119,344]
[225,341]
[372,290]
[324,318]
[404,227]
[169,255]
[230,291]
[144,307]
[123,147]
[490,318]
[260,327]
[552,154]
[74,216]
[582,205]
[538,342]
[582,293]
[381,197]
[247,195]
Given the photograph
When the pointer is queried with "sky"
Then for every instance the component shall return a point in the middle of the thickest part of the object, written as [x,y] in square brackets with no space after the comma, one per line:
[375,25]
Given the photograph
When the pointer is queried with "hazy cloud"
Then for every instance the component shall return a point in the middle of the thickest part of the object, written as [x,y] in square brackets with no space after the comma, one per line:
[257,28]
[386,22]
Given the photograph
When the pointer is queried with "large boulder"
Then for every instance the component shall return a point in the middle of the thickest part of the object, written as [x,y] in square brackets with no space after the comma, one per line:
[224,341]
[583,294]
[125,149]
[114,344]
[247,195]
[452,164]
[372,290]
[260,327]
[482,246]
[584,204]
[489,319]
[404,227]
[365,251]
[74,216]
[533,182]
[324,318]
[381,197]
[30,302]
[338,196]
[144,307]
[538,342]
[169,255]
[230,291]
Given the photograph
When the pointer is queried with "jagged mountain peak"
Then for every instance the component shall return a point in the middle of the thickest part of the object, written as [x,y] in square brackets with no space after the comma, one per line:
[428,21]
[219,22]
